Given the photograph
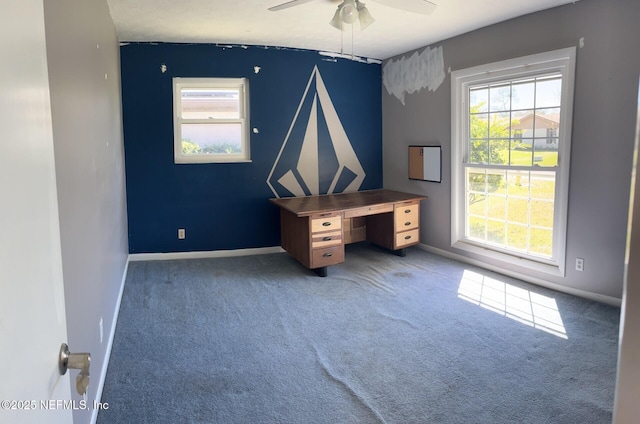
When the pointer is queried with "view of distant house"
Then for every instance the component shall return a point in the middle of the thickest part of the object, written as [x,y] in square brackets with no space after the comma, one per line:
[538,130]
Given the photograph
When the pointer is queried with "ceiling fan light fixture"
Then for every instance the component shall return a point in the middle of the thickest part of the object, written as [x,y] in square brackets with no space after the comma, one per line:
[336,22]
[364,16]
[349,11]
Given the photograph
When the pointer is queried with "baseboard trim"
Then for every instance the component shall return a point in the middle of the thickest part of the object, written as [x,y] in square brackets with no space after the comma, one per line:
[112,333]
[135,257]
[533,280]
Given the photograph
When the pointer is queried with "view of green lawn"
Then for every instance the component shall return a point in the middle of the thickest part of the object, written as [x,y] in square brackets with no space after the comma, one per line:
[513,209]
[524,157]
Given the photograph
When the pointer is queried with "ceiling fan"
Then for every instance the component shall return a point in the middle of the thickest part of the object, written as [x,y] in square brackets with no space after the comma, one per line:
[351,10]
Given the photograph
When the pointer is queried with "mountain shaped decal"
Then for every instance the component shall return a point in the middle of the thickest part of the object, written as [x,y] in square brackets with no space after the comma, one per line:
[316,156]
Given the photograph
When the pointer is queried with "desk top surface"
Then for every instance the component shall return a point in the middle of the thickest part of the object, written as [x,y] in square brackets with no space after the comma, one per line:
[309,205]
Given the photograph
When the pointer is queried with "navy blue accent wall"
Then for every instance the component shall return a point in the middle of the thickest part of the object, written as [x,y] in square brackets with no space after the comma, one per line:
[225,205]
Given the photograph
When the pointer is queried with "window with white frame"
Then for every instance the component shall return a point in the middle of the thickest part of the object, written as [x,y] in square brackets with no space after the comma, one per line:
[211,120]
[511,133]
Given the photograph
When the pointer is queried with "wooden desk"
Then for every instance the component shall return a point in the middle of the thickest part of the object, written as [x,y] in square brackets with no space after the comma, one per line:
[314,229]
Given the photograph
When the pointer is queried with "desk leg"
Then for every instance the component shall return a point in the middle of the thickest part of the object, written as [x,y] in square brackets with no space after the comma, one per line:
[322,271]
[401,252]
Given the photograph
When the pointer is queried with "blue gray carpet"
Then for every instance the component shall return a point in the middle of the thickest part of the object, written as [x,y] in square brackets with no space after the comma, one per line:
[382,339]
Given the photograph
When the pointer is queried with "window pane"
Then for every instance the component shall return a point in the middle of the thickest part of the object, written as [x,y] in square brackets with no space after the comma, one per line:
[521,152]
[476,192]
[496,206]
[478,100]
[476,204]
[548,93]
[518,183]
[478,151]
[475,228]
[495,181]
[543,185]
[499,125]
[518,210]
[540,241]
[476,180]
[210,103]
[479,125]
[216,139]
[541,213]
[522,96]
[548,117]
[495,231]
[499,98]
[546,123]
[517,236]
[499,151]
[546,152]
[522,124]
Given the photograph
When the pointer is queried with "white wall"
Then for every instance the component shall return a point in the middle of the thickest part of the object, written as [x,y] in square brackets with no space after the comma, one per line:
[84,78]
[627,407]
[32,310]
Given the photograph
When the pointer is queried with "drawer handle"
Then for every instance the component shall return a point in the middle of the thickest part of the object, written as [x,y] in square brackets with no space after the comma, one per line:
[326,224]
[407,237]
[407,211]
[406,224]
[326,238]
[327,255]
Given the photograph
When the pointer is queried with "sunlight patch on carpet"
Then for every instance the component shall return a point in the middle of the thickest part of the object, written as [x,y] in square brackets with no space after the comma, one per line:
[527,307]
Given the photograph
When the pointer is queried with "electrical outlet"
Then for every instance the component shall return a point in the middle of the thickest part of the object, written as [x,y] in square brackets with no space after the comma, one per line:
[181,234]
[579,264]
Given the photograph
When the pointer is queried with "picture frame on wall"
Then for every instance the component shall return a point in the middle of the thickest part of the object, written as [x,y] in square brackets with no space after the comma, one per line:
[425,163]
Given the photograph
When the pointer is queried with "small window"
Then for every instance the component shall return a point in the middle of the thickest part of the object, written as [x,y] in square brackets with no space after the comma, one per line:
[211,120]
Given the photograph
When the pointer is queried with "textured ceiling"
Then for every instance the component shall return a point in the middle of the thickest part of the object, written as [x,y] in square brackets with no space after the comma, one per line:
[306,26]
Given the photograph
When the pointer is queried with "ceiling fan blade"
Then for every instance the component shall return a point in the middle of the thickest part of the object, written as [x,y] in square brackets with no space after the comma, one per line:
[288,5]
[423,7]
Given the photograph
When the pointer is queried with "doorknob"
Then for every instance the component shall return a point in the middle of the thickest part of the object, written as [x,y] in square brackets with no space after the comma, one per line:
[78,361]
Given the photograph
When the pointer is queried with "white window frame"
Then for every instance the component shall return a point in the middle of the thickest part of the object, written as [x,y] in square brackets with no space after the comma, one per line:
[242,84]
[559,61]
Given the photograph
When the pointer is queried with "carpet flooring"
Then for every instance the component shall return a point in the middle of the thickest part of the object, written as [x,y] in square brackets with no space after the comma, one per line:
[382,339]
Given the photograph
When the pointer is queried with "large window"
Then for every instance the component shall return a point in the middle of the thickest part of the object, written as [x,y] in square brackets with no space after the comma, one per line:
[511,132]
[211,120]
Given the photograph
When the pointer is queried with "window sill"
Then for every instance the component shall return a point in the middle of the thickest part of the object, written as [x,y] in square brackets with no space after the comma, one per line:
[526,264]
[193,161]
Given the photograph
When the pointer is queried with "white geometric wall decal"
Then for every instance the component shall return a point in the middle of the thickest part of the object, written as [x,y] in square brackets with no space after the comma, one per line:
[291,183]
[297,173]
[308,166]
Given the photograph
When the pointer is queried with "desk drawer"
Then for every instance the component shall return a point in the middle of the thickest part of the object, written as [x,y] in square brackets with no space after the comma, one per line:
[326,239]
[327,256]
[406,217]
[368,210]
[326,223]
[407,238]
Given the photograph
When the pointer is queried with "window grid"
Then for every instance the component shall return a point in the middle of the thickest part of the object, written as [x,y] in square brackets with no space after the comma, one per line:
[499,150]
[495,115]
[493,219]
